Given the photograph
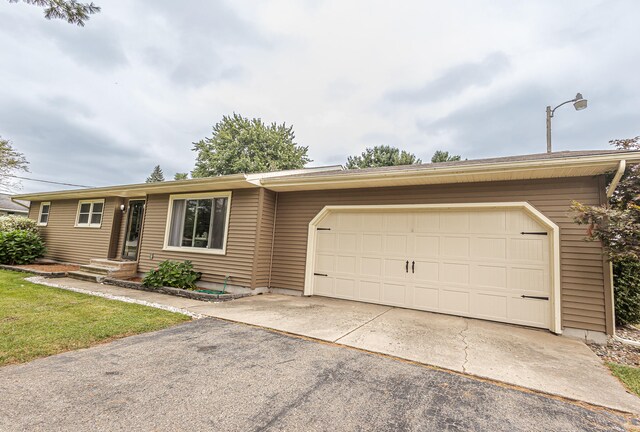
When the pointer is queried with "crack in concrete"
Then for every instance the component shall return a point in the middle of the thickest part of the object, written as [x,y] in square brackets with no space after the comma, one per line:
[466,346]
[362,325]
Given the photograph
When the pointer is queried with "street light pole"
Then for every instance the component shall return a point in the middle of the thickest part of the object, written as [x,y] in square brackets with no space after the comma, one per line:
[579,103]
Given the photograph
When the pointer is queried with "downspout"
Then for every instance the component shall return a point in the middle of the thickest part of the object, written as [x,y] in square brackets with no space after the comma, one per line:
[273,237]
[610,190]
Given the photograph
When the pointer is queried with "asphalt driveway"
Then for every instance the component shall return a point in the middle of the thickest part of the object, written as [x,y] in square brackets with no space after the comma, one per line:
[215,375]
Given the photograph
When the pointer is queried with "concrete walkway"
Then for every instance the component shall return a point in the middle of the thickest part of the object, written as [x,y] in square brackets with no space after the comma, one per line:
[534,359]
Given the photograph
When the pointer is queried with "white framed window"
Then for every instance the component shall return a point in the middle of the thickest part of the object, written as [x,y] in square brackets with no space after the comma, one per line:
[198,222]
[43,216]
[90,213]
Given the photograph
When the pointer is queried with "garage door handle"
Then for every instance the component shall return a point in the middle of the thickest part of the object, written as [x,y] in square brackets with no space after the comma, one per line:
[535,297]
[413,266]
[406,268]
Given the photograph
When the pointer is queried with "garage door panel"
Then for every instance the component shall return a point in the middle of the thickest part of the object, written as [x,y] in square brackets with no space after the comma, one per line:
[372,242]
[488,276]
[455,247]
[532,280]
[427,222]
[425,297]
[397,222]
[455,222]
[488,248]
[370,291]
[454,273]
[528,249]
[426,246]
[346,264]
[371,266]
[394,294]
[395,268]
[347,242]
[395,244]
[323,286]
[325,263]
[426,271]
[470,263]
[490,306]
[528,312]
[488,222]
[345,288]
[326,241]
[453,301]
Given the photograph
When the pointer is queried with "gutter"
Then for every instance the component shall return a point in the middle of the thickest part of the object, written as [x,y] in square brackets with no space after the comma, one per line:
[451,170]
[616,179]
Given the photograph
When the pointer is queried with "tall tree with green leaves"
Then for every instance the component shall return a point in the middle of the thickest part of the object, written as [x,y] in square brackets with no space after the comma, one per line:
[70,10]
[240,145]
[181,176]
[156,175]
[11,163]
[380,156]
[443,156]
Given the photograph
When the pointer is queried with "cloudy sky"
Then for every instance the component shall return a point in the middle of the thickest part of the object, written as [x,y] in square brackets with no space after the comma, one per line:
[103,104]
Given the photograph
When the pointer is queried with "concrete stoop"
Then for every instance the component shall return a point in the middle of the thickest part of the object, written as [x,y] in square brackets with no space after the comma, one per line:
[99,269]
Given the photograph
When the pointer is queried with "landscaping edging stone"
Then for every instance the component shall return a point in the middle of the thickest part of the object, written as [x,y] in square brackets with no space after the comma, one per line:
[36,272]
[194,295]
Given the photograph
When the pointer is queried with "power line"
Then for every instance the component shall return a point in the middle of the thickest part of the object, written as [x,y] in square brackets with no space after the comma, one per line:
[45,181]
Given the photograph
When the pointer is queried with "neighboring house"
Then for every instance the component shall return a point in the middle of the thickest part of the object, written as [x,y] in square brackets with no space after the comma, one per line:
[9,207]
[491,239]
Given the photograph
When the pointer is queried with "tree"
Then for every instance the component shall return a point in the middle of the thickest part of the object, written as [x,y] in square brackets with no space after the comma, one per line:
[69,10]
[443,156]
[616,225]
[240,145]
[11,162]
[380,156]
[181,176]
[156,175]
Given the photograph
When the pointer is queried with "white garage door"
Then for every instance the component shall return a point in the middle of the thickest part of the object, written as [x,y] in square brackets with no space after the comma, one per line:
[489,264]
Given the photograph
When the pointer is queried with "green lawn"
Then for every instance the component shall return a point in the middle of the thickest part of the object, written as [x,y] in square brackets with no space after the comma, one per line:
[629,375]
[38,321]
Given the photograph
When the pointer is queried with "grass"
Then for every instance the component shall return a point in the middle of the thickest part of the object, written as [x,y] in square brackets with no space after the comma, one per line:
[38,321]
[629,375]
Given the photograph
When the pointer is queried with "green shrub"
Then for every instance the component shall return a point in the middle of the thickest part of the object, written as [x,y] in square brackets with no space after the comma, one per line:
[20,247]
[626,281]
[173,274]
[12,223]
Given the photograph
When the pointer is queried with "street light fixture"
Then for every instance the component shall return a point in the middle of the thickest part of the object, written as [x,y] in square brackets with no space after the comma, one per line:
[579,103]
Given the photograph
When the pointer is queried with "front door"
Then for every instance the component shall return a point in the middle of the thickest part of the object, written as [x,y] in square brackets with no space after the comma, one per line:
[133,230]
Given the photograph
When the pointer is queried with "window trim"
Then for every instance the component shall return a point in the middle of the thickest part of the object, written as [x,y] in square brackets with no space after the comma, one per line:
[187,249]
[89,224]
[42,204]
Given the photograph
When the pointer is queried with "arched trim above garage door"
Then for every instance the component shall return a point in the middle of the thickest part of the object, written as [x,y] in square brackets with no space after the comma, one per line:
[554,243]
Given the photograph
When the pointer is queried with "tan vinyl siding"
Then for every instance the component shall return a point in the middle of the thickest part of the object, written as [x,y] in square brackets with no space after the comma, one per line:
[582,283]
[241,240]
[68,243]
[266,218]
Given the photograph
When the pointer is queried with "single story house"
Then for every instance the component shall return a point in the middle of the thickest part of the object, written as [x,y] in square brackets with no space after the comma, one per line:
[491,239]
[10,207]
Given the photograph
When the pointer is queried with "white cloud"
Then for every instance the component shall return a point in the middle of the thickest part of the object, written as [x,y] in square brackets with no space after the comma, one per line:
[143,80]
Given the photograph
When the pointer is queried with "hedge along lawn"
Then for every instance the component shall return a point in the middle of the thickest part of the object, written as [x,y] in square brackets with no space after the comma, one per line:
[38,321]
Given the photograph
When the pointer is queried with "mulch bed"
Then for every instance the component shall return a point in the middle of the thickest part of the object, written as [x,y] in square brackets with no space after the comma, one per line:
[618,352]
[50,268]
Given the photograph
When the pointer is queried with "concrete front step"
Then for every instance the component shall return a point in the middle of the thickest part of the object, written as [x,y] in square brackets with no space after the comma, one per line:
[90,277]
[99,270]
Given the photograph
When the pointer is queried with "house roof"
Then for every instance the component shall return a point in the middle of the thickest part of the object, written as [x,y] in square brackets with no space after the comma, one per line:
[6,204]
[524,167]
